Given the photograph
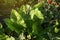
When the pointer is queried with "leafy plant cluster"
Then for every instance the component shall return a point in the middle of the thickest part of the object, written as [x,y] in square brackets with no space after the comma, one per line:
[40,22]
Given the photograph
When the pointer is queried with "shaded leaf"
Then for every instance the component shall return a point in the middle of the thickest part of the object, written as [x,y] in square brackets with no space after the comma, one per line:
[34,29]
[14,26]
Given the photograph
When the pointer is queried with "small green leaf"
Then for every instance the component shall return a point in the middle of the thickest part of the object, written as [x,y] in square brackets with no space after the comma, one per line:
[56,30]
[0,25]
[32,13]
[34,29]
[40,4]
[57,23]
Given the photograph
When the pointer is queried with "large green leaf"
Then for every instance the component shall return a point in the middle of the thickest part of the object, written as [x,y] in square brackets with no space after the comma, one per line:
[36,12]
[14,26]
[39,14]
[16,17]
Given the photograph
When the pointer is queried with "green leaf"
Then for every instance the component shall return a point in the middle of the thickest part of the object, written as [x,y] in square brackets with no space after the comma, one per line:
[56,30]
[16,17]
[34,29]
[14,26]
[57,23]
[4,37]
[40,4]
[10,38]
[1,28]
[25,9]
[15,14]
[37,13]
[22,9]
[32,13]
[0,25]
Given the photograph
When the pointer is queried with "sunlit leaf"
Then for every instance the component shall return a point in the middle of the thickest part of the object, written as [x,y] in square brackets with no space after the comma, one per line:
[57,23]
[14,12]
[16,17]
[32,13]
[56,30]
[37,13]
[4,37]
[10,38]
[40,4]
